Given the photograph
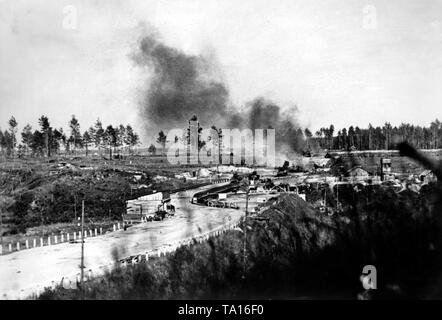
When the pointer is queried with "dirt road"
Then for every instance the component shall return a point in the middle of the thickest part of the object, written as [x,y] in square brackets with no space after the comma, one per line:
[23,271]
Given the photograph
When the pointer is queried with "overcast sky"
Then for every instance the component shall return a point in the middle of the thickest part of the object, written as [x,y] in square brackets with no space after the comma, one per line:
[338,63]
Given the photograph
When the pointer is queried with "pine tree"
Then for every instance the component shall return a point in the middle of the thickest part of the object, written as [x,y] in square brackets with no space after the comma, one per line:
[12,132]
[75,137]
[26,137]
[132,139]
[162,140]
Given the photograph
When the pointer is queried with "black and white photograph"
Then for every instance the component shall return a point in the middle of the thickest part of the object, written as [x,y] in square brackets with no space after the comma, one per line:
[220,150]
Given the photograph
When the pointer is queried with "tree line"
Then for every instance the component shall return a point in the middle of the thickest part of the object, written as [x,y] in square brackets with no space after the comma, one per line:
[383,137]
[49,141]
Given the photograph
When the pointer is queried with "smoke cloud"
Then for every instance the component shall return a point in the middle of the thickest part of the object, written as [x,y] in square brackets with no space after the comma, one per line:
[262,113]
[183,85]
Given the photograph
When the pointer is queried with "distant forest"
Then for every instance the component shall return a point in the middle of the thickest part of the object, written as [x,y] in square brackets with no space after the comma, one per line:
[376,138]
[48,141]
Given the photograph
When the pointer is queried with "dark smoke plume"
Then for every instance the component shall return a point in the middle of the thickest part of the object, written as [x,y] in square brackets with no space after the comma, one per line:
[184,85]
[181,86]
[262,113]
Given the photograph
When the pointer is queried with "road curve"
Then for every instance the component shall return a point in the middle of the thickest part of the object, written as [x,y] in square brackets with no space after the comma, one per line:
[26,270]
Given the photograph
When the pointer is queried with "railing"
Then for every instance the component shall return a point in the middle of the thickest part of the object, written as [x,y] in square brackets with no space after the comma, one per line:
[219,181]
[51,240]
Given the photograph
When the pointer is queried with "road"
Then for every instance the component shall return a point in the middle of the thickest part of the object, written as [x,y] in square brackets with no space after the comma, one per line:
[28,269]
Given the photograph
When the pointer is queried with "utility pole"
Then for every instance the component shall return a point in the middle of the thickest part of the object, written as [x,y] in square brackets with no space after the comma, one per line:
[82,249]
[1,223]
[337,196]
[75,207]
[325,197]
[245,233]
[1,231]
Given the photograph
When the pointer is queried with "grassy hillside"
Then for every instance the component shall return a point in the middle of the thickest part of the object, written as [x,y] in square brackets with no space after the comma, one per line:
[41,193]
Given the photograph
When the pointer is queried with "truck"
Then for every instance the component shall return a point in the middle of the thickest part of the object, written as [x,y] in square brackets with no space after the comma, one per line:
[147,208]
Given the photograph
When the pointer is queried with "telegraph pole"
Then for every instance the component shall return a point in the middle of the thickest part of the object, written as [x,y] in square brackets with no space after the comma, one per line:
[1,223]
[337,196]
[75,207]
[1,231]
[82,249]
[245,233]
